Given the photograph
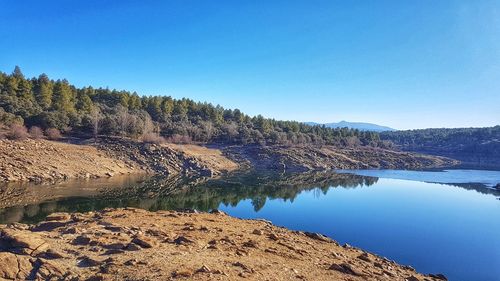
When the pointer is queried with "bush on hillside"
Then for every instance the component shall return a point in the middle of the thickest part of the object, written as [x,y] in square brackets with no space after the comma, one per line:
[53,134]
[36,133]
[152,138]
[17,132]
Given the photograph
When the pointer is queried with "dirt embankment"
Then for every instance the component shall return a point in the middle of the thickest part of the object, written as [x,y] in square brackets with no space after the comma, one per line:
[307,158]
[133,244]
[43,160]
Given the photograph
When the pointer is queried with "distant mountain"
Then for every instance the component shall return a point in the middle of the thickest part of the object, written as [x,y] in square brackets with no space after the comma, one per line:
[355,125]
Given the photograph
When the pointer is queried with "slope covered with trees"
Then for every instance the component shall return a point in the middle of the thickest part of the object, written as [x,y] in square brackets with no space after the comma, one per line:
[87,111]
[478,147]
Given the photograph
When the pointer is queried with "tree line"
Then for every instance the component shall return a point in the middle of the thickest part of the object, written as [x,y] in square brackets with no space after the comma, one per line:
[45,103]
[479,146]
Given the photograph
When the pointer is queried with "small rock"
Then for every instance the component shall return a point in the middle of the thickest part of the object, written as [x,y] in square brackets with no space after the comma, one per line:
[204,269]
[365,257]
[317,236]
[89,262]
[132,247]
[345,268]
[257,232]
[250,244]
[143,241]
[182,240]
[81,240]
[182,273]
[273,237]
[217,212]
[58,217]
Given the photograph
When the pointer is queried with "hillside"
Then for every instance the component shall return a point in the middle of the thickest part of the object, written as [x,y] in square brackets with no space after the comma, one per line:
[43,160]
[42,103]
[475,147]
[354,125]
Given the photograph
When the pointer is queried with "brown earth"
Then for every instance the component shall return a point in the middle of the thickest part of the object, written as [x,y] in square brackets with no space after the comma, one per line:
[134,244]
[43,160]
[309,158]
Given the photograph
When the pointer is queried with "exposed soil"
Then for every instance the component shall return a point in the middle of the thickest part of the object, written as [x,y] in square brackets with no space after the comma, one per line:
[307,158]
[50,161]
[134,244]
[43,160]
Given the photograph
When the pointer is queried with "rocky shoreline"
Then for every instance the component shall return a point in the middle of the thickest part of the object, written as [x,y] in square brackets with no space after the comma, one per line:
[49,161]
[134,244]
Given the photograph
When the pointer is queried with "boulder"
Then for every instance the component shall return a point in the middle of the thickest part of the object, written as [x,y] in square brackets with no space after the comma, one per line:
[14,267]
[22,241]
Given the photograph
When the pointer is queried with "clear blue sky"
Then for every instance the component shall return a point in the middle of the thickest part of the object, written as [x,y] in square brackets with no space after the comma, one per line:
[405,64]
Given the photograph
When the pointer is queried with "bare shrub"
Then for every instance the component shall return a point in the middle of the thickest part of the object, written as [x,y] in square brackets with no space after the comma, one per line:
[17,132]
[180,139]
[36,133]
[53,134]
[152,138]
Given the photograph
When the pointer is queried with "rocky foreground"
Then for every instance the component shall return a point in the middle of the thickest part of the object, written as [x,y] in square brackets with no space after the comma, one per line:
[133,244]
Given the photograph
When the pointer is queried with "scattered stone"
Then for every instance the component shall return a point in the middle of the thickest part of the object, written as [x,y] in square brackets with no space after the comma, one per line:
[317,236]
[273,237]
[81,240]
[89,262]
[182,273]
[365,257]
[244,267]
[51,254]
[257,232]
[412,278]
[58,217]
[217,212]
[114,246]
[181,240]
[113,252]
[250,244]
[48,225]
[345,268]
[143,241]
[132,247]
[204,269]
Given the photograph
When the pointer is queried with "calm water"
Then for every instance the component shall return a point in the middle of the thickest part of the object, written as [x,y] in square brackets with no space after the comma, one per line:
[435,227]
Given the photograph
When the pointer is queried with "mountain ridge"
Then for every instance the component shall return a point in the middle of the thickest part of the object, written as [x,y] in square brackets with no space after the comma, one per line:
[355,125]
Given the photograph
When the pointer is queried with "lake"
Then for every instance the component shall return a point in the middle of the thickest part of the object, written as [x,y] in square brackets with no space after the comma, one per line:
[438,222]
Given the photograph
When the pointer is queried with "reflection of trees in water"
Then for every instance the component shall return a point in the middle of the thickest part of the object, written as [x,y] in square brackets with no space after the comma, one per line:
[187,193]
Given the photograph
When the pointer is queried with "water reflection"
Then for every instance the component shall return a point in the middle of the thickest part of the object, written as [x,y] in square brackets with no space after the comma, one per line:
[160,193]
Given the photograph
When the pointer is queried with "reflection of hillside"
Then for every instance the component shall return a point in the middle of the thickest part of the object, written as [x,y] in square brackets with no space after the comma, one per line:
[183,193]
[478,187]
